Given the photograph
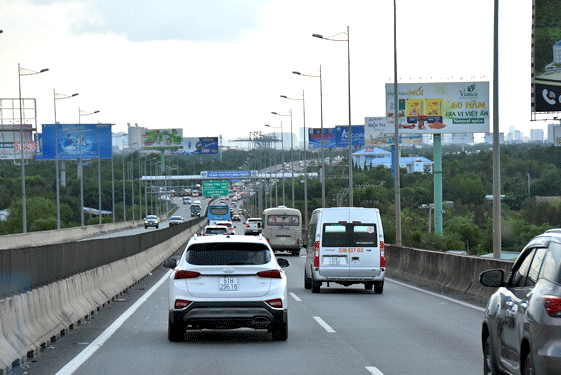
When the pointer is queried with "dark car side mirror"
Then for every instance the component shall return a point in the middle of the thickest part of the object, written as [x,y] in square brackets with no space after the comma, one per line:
[493,278]
[283,262]
[170,263]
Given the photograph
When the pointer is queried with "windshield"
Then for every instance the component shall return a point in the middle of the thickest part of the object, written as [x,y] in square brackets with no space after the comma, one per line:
[349,235]
[151,217]
[175,218]
[218,211]
[226,253]
[284,220]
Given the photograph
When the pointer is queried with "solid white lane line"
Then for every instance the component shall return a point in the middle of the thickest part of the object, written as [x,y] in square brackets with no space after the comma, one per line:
[374,371]
[296,298]
[77,361]
[438,295]
[324,324]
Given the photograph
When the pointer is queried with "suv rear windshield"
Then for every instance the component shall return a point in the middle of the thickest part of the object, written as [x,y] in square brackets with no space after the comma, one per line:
[227,253]
[349,235]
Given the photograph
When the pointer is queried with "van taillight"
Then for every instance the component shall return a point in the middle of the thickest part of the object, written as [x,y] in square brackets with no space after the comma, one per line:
[316,259]
[382,254]
[552,306]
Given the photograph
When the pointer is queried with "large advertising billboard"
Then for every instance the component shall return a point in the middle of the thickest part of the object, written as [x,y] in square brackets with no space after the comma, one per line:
[546,56]
[200,146]
[337,137]
[435,108]
[10,141]
[74,139]
[377,132]
[161,139]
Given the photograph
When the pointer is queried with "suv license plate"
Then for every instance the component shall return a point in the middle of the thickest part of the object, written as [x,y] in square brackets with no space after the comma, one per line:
[228,283]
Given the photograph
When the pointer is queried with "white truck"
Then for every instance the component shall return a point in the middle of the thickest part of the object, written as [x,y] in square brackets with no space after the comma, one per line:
[253,226]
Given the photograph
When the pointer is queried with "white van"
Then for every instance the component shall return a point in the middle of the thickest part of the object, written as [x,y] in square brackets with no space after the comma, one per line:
[345,246]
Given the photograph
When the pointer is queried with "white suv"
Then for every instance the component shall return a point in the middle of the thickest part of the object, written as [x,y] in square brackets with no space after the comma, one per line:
[227,282]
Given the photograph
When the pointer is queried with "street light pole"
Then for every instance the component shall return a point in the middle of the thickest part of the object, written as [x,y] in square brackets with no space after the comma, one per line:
[322,135]
[58,96]
[282,159]
[80,114]
[337,38]
[23,72]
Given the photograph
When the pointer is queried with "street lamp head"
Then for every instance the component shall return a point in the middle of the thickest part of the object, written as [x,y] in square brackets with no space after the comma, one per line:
[43,70]
[297,73]
[317,36]
[284,96]
[274,113]
[76,94]
[96,112]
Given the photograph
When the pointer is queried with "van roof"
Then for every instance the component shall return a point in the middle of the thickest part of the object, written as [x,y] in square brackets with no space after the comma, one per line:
[349,214]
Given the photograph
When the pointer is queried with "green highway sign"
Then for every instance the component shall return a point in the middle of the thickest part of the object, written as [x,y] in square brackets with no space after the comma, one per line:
[215,188]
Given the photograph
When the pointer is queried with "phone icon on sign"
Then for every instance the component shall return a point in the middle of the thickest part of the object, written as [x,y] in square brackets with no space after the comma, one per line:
[547,96]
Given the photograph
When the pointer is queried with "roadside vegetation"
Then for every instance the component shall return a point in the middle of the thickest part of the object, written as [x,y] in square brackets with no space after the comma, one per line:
[529,173]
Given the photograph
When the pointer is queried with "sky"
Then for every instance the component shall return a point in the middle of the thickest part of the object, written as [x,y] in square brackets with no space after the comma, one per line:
[219,67]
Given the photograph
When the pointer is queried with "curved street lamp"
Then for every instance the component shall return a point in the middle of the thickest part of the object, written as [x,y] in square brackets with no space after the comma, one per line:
[58,96]
[303,99]
[80,114]
[322,135]
[23,72]
[291,148]
[282,159]
[345,37]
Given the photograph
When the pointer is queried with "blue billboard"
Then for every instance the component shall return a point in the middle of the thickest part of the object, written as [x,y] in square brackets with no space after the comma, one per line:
[200,146]
[336,137]
[73,140]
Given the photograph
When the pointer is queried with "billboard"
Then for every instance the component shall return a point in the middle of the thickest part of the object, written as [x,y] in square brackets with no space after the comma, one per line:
[73,139]
[435,108]
[378,132]
[336,137]
[546,56]
[200,146]
[161,139]
[10,141]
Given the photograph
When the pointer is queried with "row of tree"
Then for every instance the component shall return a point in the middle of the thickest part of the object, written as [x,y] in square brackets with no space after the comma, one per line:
[528,172]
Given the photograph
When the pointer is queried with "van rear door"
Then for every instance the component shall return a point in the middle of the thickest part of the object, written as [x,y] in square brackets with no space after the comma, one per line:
[334,258]
[364,255]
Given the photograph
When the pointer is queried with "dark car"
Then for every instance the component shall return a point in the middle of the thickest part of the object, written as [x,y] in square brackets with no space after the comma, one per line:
[195,210]
[521,331]
[151,221]
[236,217]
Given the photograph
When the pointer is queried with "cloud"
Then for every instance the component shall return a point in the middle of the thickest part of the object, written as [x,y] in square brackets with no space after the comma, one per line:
[156,20]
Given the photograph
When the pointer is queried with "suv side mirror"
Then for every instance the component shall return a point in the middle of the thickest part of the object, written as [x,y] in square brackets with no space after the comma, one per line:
[283,262]
[492,278]
[170,263]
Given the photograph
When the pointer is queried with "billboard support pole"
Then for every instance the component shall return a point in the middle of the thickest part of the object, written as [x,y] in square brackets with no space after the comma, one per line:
[437,173]
[496,146]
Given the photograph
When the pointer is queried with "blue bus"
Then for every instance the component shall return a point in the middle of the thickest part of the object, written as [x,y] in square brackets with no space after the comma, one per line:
[218,212]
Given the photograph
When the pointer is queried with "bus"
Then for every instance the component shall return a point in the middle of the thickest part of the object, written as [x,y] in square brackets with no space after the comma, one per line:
[218,212]
[282,227]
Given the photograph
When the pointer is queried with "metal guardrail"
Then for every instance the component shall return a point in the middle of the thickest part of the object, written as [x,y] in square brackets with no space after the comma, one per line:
[24,269]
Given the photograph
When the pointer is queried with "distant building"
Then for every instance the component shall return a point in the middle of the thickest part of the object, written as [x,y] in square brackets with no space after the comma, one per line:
[372,157]
[489,137]
[550,135]
[536,135]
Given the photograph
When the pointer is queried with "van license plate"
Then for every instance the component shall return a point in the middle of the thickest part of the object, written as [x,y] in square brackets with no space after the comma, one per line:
[228,283]
[335,260]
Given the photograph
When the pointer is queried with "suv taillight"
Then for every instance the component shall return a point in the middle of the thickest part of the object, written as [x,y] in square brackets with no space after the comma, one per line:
[552,306]
[181,303]
[316,258]
[382,254]
[276,303]
[186,274]
[271,274]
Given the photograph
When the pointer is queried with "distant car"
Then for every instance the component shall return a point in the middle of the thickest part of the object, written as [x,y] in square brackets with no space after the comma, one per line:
[236,217]
[197,202]
[214,230]
[195,210]
[186,200]
[227,283]
[151,221]
[231,227]
[521,331]
[253,225]
[174,220]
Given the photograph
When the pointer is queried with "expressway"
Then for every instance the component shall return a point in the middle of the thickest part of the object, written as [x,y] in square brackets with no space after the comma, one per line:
[342,330]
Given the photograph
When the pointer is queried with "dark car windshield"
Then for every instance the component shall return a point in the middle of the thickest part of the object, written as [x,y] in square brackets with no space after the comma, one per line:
[151,217]
[349,235]
[175,218]
[227,253]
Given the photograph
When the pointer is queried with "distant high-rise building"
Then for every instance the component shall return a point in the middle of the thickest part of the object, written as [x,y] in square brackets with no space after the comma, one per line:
[550,132]
[536,135]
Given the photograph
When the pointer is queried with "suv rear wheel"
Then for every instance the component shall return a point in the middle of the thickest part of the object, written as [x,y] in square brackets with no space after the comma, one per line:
[176,331]
[279,331]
